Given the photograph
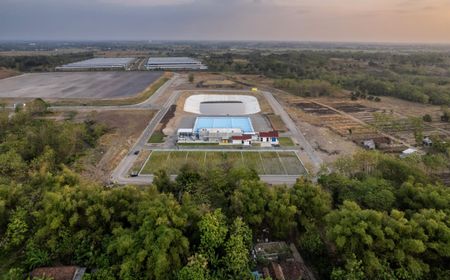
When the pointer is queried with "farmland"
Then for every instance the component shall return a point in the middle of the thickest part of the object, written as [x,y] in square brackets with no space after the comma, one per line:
[265,163]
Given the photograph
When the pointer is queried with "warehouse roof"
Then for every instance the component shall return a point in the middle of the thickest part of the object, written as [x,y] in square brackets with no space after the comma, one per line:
[172,60]
[100,62]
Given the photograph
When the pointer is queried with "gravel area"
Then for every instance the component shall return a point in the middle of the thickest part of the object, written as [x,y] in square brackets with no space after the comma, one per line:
[75,85]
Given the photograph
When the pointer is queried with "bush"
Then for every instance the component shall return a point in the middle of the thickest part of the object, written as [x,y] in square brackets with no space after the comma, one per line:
[427,118]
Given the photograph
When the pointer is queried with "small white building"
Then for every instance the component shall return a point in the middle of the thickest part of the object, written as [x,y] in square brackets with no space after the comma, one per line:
[269,137]
[218,134]
[224,136]
[245,140]
[185,134]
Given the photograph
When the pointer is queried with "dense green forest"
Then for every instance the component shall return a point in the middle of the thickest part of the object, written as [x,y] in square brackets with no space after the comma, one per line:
[41,63]
[420,77]
[376,217]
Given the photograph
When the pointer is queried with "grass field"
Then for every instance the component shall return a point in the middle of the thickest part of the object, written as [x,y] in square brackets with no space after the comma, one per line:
[157,137]
[265,163]
[277,123]
[286,142]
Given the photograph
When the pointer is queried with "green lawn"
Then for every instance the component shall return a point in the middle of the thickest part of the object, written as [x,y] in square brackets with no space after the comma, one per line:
[286,142]
[253,160]
[291,163]
[265,163]
[157,137]
[272,164]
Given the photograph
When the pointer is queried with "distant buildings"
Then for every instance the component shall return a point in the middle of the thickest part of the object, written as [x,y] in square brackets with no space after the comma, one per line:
[122,63]
[174,63]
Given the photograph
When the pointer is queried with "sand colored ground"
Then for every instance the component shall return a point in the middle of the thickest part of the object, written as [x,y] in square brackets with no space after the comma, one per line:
[125,128]
[6,73]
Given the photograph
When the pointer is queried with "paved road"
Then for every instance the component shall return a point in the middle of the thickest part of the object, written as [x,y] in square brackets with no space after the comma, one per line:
[296,133]
[269,179]
[119,175]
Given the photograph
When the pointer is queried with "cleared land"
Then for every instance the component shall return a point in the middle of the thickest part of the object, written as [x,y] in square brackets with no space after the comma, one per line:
[124,129]
[265,163]
[84,85]
[6,73]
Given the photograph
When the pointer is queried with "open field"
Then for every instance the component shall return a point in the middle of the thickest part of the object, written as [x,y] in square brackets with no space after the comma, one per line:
[265,163]
[338,118]
[394,117]
[79,85]
[286,142]
[277,123]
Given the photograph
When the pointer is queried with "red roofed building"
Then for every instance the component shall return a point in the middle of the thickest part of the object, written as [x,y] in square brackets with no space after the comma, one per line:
[244,139]
[269,137]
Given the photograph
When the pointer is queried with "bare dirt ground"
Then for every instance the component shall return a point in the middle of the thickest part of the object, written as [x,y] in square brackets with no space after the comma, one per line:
[89,85]
[6,73]
[401,112]
[126,127]
[326,142]
[333,125]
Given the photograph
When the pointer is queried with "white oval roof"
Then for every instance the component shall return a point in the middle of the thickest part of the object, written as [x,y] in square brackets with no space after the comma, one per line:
[192,103]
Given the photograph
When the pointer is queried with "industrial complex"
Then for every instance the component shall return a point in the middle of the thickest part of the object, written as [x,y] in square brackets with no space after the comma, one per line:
[226,131]
[125,63]
[221,125]
[117,63]
[172,63]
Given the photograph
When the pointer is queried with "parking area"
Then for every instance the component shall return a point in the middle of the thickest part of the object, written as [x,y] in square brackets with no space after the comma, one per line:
[77,85]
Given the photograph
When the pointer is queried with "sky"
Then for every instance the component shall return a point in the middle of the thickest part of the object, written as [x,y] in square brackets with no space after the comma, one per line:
[406,21]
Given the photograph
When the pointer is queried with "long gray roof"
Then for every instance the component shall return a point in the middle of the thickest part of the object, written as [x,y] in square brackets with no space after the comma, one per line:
[172,60]
[101,62]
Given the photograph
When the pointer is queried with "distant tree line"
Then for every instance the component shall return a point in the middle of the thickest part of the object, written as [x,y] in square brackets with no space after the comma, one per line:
[418,77]
[41,63]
